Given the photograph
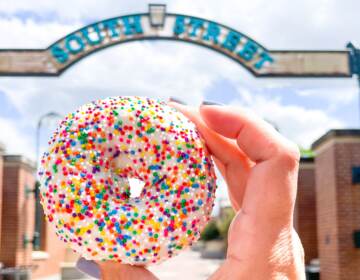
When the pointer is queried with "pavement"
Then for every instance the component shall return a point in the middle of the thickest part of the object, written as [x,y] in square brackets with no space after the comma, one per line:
[187,265]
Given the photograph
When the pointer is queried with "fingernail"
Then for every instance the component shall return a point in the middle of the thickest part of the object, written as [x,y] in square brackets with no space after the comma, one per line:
[89,267]
[207,102]
[177,100]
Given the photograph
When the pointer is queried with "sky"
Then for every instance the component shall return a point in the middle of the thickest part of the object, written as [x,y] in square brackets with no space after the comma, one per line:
[302,109]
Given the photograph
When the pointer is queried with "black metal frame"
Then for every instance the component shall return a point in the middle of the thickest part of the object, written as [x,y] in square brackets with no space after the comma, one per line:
[355,175]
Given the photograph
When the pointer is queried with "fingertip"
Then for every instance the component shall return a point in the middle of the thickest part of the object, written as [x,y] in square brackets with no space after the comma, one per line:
[211,103]
[175,104]
[183,108]
[228,120]
[190,112]
[177,100]
[257,138]
[214,117]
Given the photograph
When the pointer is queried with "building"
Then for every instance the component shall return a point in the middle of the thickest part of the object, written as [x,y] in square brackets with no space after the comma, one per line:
[328,205]
[17,220]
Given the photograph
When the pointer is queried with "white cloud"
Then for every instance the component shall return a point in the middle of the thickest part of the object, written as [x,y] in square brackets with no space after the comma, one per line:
[132,69]
[303,126]
[17,33]
[335,96]
[14,139]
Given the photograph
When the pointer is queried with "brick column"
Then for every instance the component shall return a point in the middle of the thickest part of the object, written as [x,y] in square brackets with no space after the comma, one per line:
[305,209]
[17,211]
[338,203]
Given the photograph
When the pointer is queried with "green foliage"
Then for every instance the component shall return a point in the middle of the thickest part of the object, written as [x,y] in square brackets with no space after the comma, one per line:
[224,220]
[218,227]
[210,232]
[308,153]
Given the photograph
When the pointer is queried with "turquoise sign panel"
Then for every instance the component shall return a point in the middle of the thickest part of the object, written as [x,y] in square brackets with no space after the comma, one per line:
[185,28]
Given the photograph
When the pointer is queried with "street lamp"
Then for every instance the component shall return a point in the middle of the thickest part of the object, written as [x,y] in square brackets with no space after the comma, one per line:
[50,115]
[38,211]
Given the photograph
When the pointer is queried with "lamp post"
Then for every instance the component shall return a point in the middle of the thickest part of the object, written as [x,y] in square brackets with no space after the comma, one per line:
[50,115]
[38,211]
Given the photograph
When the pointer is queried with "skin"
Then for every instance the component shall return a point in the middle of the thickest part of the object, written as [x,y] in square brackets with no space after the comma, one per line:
[260,168]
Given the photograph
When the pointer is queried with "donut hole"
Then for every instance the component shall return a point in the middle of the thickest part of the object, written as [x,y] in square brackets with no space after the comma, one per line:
[136,187]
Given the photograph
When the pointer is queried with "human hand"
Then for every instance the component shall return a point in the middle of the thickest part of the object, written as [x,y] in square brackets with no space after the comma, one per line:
[260,168]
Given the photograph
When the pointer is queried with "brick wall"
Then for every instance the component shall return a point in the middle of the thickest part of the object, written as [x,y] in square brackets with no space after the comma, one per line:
[305,209]
[17,211]
[18,220]
[338,204]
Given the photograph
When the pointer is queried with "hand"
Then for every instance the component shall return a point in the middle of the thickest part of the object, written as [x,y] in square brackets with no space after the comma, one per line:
[260,168]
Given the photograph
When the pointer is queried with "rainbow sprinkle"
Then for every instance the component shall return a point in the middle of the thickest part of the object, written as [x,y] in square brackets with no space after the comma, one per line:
[85,191]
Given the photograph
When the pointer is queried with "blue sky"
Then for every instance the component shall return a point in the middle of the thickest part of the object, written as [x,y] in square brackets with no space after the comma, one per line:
[303,109]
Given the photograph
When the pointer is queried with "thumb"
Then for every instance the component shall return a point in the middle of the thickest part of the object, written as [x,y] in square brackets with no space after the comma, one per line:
[90,268]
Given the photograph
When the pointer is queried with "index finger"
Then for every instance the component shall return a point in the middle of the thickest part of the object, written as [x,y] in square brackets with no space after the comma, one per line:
[222,148]
[257,138]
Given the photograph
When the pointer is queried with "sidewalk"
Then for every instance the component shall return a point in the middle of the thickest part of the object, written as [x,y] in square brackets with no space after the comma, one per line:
[188,265]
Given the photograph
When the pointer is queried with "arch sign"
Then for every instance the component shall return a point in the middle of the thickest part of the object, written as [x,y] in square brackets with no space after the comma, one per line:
[157,24]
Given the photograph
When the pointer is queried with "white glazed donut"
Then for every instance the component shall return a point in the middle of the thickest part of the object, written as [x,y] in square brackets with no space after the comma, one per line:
[84,181]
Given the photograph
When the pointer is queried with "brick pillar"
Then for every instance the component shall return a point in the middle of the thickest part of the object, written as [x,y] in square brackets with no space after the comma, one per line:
[338,203]
[17,211]
[305,209]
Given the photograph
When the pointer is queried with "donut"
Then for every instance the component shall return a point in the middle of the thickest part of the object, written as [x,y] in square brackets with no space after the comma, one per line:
[84,181]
